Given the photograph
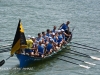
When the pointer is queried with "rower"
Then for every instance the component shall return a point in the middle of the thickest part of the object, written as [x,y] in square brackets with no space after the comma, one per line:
[43,35]
[50,47]
[29,46]
[40,49]
[55,38]
[60,39]
[54,29]
[48,33]
[34,47]
[39,37]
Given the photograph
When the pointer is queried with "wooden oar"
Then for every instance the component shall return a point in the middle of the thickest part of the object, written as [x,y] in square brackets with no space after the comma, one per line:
[6,40]
[5,50]
[85,45]
[87,67]
[85,48]
[3,61]
[5,45]
[84,55]
[79,60]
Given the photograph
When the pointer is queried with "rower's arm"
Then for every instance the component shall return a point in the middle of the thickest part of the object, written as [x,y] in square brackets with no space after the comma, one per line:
[66,34]
[60,26]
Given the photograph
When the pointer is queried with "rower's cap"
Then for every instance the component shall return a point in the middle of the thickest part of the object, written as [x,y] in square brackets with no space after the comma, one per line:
[62,30]
[46,36]
[29,36]
[59,31]
[51,39]
[33,37]
[40,40]
[53,33]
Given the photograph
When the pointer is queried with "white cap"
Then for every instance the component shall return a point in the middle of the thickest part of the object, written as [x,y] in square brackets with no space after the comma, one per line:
[40,40]
[62,30]
[46,36]
[59,31]
[33,37]
[29,36]
[53,33]
[51,39]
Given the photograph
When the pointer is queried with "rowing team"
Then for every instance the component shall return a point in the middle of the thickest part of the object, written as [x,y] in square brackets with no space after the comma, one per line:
[48,41]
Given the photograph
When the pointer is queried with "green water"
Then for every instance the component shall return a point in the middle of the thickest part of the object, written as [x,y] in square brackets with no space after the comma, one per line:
[37,16]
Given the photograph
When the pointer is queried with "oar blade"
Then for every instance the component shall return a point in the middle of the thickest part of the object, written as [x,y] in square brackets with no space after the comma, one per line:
[87,67]
[2,62]
[90,63]
[95,58]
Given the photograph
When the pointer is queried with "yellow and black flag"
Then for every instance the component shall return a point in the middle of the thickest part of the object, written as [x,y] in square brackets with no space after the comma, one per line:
[19,40]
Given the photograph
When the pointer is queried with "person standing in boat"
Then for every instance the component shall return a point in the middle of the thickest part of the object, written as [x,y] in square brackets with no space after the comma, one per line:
[65,27]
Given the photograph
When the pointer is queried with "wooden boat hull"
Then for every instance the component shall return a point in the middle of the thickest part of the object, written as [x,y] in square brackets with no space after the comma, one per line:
[25,60]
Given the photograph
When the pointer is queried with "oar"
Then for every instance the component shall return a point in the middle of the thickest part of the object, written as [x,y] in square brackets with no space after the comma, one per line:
[5,50]
[85,48]
[84,55]
[85,45]
[5,45]
[79,60]
[6,40]
[87,67]
[3,61]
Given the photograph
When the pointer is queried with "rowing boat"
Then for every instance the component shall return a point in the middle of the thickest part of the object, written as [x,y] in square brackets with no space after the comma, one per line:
[20,42]
[25,60]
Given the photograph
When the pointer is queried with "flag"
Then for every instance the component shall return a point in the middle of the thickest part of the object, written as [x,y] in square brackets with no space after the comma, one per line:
[19,41]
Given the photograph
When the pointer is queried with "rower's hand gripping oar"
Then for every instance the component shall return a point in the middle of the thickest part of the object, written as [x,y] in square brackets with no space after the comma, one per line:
[87,67]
